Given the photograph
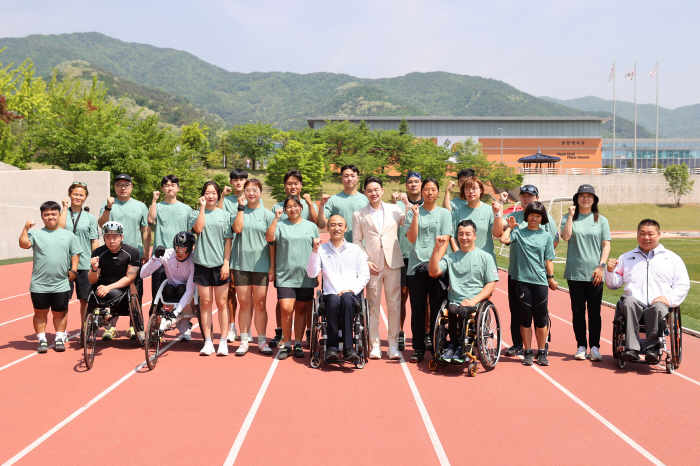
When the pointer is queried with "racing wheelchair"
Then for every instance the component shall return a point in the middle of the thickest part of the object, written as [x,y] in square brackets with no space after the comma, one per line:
[100,312]
[670,326]
[481,338]
[163,310]
[319,334]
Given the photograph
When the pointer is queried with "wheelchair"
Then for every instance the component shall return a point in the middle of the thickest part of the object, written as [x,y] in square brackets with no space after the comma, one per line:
[163,310]
[102,313]
[670,326]
[319,335]
[481,338]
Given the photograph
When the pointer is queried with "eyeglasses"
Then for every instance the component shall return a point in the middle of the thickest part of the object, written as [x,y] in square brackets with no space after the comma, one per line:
[80,183]
[252,191]
[471,190]
[123,185]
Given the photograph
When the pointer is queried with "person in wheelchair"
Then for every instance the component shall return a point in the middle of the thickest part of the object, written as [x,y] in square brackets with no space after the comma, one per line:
[179,270]
[473,276]
[345,275]
[655,279]
[113,269]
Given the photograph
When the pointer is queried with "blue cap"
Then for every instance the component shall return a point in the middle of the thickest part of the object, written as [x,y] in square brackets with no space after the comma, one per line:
[413,175]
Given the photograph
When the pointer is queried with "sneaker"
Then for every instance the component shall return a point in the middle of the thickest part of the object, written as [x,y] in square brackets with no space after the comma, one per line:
[458,357]
[581,353]
[208,349]
[242,349]
[351,355]
[393,353]
[110,334]
[274,343]
[630,356]
[331,354]
[527,359]
[650,356]
[283,352]
[164,324]
[515,350]
[60,346]
[131,333]
[231,336]
[223,348]
[447,354]
[376,353]
[595,354]
[402,341]
[43,347]
[265,349]
[417,356]
[250,337]
[187,334]
[428,343]
[542,358]
[298,352]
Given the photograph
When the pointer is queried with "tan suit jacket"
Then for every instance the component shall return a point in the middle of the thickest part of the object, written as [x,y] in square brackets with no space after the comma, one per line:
[379,245]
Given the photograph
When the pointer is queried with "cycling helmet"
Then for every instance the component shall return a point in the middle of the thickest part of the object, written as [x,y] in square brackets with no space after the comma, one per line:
[112,228]
[184,239]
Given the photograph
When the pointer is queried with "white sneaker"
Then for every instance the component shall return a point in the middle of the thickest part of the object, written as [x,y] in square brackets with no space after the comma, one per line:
[595,354]
[208,349]
[231,337]
[393,353]
[165,324]
[223,348]
[187,334]
[376,353]
[581,353]
[243,349]
[250,337]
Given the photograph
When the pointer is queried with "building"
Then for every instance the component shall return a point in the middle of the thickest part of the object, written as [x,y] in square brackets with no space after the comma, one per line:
[671,152]
[577,141]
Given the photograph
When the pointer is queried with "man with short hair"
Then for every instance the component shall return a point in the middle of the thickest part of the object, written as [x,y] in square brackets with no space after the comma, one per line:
[454,204]
[345,275]
[375,231]
[56,254]
[528,194]
[345,203]
[655,279]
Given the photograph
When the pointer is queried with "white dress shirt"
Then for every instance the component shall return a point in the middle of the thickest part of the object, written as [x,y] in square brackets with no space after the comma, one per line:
[660,273]
[344,268]
[178,273]
[378,217]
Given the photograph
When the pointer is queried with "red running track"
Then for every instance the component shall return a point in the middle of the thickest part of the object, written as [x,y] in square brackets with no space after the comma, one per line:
[255,409]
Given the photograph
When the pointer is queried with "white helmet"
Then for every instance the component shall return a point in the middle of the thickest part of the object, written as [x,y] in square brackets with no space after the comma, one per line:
[112,228]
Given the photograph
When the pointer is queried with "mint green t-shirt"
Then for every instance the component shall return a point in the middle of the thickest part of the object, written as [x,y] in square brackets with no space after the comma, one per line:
[401,233]
[532,249]
[550,227]
[437,222]
[250,251]
[304,210]
[53,250]
[85,227]
[457,203]
[585,246]
[209,248]
[133,215]
[231,206]
[469,273]
[293,249]
[482,216]
[171,219]
[345,205]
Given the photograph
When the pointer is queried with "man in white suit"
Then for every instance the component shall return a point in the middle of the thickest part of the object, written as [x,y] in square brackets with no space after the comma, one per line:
[378,224]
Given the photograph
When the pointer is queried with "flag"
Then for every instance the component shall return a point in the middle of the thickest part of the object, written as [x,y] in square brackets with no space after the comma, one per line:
[612,73]
[630,75]
[654,71]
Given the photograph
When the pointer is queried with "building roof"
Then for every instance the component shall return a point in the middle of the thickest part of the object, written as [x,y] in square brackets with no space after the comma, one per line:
[539,157]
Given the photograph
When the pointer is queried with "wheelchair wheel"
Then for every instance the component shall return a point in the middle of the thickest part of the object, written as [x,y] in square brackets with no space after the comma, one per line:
[488,335]
[617,342]
[90,338]
[153,340]
[472,369]
[676,337]
[439,340]
[314,344]
[621,363]
[364,357]
[137,318]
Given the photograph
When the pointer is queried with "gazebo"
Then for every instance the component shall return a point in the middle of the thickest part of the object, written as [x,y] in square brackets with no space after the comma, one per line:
[538,160]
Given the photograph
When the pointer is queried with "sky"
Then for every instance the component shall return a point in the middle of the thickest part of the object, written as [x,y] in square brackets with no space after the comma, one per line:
[562,49]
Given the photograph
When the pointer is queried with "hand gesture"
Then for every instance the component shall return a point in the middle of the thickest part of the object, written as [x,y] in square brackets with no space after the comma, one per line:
[159,251]
[278,214]
[145,258]
[504,197]
[29,224]
[552,284]
[496,206]
[373,269]
[440,241]
[394,197]
[612,263]
[94,263]
[511,222]
[110,202]
[404,198]
[416,210]
[597,276]
[227,190]
[451,184]
[241,200]
[324,199]
[66,202]
[102,290]
[661,299]
[202,202]
[317,244]
[572,210]
[156,195]
[307,198]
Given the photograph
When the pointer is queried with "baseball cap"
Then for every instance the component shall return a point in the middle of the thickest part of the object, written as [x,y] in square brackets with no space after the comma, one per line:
[585,188]
[530,189]
[122,177]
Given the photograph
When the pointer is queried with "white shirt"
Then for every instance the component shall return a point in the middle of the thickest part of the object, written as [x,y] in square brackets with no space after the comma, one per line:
[344,268]
[378,217]
[662,273]
[178,273]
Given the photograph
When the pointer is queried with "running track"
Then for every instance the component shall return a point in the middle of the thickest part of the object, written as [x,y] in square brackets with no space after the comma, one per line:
[256,410]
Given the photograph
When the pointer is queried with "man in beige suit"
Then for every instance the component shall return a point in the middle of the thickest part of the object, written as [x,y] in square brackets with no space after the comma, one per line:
[377,224]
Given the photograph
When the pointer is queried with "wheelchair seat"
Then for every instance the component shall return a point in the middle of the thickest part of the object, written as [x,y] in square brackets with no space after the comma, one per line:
[112,298]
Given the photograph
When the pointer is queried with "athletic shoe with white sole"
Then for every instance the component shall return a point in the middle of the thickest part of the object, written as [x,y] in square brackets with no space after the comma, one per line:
[242,349]
[231,336]
[131,333]
[595,354]
[43,347]
[265,349]
[59,346]
[542,358]
[187,335]
[581,353]
[393,353]
[376,353]
[527,357]
[110,334]
[223,348]
[208,349]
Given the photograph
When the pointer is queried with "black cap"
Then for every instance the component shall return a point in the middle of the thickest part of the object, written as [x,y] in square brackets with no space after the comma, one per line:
[122,177]
[585,188]
[530,189]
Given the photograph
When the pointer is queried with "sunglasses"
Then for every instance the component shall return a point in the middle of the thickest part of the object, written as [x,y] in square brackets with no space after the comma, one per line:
[80,183]
[528,189]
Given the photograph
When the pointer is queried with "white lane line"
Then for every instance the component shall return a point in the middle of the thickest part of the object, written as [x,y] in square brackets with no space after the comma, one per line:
[84,408]
[238,443]
[15,296]
[434,439]
[28,315]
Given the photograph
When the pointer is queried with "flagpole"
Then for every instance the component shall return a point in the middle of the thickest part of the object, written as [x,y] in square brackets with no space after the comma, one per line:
[656,158]
[634,164]
[614,146]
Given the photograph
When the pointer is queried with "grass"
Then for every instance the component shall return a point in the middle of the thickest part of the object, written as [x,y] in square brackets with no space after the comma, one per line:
[687,249]
[16,260]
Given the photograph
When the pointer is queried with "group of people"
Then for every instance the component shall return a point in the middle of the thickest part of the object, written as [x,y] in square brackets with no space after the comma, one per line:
[232,247]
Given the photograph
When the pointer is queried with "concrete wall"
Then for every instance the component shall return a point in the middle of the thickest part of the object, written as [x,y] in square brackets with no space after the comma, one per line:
[23,191]
[613,189]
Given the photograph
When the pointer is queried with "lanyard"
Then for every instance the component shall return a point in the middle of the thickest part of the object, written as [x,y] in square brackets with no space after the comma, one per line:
[75,222]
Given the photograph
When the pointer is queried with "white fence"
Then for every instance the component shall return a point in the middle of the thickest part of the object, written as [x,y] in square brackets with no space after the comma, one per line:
[596,171]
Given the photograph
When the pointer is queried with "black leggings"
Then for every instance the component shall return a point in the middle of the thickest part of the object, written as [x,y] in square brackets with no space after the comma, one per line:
[586,294]
[420,288]
[533,304]
[456,318]
[514,307]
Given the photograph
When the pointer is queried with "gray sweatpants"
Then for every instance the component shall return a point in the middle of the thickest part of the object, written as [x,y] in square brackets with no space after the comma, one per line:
[633,310]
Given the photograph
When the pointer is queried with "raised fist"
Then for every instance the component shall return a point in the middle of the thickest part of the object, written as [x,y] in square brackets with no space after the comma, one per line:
[159,251]
[451,184]
[278,214]
[241,200]
[324,199]
[110,201]
[404,198]
[156,195]
[612,263]
[416,209]
[496,206]
[394,197]
[94,262]
[29,224]
[227,190]
[440,241]
[511,222]
[202,202]
[307,198]
[66,202]
[504,197]
[317,244]
[572,211]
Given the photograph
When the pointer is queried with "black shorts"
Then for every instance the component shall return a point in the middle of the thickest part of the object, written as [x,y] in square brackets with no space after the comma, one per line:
[300,294]
[206,276]
[82,286]
[242,278]
[57,302]
[404,271]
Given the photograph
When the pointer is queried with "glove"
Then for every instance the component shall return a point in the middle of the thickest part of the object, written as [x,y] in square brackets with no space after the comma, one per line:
[177,310]
[160,250]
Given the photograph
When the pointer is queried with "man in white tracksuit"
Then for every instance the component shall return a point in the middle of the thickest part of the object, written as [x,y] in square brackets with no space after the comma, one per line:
[655,279]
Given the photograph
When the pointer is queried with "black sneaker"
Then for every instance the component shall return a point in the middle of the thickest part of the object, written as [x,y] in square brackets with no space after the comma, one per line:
[332,354]
[402,341]
[651,357]
[542,358]
[515,350]
[630,355]
[283,353]
[351,355]
[417,356]
[298,352]
[275,342]
[43,347]
[428,343]
[527,361]
[59,346]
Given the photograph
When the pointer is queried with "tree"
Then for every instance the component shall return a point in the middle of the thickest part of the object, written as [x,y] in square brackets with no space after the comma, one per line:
[253,141]
[468,154]
[308,159]
[679,182]
[194,137]
[425,157]
[504,178]
[403,127]
[344,142]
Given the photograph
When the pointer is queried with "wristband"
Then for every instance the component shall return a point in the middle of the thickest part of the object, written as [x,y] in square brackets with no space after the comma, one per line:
[108,208]
[74,271]
[550,276]
[497,215]
[241,208]
[95,270]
